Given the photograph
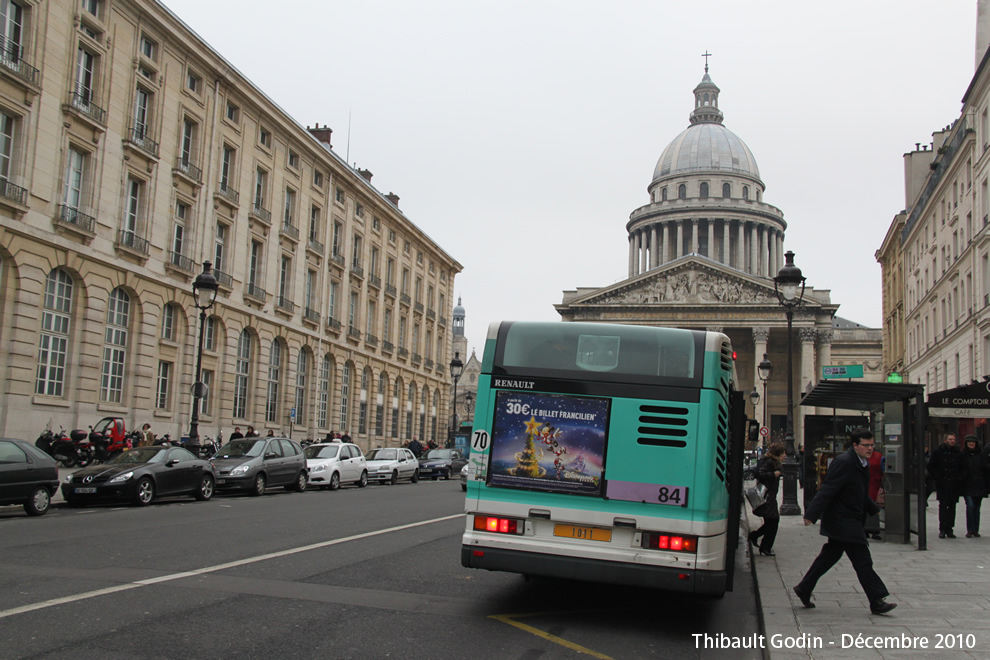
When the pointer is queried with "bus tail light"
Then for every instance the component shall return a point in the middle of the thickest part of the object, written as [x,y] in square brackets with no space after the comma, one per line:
[498,525]
[670,542]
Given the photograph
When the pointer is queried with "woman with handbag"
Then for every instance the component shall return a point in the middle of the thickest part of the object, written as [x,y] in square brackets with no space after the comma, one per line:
[768,474]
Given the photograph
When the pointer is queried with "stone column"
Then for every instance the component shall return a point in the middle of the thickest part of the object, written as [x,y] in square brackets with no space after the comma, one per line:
[754,250]
[807,370]
[655,248]
[694,235]
[760,338]
[665,255]
[632,254]
[680,239]
[726,256]
[780,251]
[741,246]
[644,244]
[773,254]
[824,343]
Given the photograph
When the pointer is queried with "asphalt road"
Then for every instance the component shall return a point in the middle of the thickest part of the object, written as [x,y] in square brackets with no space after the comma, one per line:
[356,573]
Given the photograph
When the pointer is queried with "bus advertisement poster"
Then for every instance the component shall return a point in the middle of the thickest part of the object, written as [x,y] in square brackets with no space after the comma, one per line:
[549,442]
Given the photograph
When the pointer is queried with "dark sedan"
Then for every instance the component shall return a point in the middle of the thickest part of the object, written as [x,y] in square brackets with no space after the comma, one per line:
[438,463]
[28,476]
[140,475]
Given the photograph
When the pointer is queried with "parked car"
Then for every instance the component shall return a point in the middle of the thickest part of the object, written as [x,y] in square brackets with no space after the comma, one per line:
[254,464]
[440,463]
[390,464]
[333,463]
[464,476]
[140,475]
[28,476]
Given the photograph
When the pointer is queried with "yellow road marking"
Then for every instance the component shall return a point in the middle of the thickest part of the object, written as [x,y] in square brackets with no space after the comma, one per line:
[508,618]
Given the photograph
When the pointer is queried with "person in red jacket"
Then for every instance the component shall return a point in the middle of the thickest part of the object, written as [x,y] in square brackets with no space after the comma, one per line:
[876,485]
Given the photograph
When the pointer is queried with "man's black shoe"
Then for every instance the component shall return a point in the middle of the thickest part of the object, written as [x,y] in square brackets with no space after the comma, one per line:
[941,535]
[882,607]
[950,535]
[804,598]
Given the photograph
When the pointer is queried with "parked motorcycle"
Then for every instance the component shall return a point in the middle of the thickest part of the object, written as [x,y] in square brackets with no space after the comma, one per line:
[61,448]
[210,447]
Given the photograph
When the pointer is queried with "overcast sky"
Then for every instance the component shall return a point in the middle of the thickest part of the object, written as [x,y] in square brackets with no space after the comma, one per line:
[520,135]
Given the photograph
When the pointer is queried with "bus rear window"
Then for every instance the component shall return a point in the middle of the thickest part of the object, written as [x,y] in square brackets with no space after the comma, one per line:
[583,347]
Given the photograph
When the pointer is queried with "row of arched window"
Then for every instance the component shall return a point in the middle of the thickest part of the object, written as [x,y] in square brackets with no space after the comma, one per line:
[374,417]
[704,192]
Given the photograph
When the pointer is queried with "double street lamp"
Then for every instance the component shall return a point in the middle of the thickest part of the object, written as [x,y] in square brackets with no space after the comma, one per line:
[789,286]
[205,289]
[456,369]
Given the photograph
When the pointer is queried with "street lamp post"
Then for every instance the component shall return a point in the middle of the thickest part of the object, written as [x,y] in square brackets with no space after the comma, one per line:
[456,369]
[765,369]
[469,405]
[204,294]
[789,286]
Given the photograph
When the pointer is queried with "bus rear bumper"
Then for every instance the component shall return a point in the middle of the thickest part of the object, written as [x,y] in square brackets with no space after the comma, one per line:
[593,570]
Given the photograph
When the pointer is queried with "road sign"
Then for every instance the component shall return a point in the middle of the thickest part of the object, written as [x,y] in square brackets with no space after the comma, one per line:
[764,431]
[843,371]
[292,414]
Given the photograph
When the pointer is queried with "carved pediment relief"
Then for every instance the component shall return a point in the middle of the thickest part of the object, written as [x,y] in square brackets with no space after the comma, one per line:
[688,286]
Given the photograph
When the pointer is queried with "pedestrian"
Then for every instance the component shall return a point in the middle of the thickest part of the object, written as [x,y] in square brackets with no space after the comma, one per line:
[768,474]
[974,483]
[329,437]
[876,493]
[236,435]
[945,467]
[251,433]
[147,437]
[842,502]
[799,459]
[271,433]
[345,437]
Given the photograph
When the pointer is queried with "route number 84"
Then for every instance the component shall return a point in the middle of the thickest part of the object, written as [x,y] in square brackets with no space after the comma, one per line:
[479,441]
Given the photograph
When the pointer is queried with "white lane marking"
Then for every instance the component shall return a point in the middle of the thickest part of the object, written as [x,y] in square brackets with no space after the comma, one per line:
[212,569]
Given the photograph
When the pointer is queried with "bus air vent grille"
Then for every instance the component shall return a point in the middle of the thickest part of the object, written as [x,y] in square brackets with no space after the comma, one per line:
[721,442]
[663,426]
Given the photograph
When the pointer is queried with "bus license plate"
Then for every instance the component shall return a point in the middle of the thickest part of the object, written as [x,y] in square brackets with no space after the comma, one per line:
[587,533]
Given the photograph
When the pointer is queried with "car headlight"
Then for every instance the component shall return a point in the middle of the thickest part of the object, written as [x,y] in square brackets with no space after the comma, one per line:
[318,468]
[122,477]
[240,469]
[68,479]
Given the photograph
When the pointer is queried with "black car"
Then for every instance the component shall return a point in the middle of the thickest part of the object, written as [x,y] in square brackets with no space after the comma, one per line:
[254,464]
[438,463]
[140,475]
[28,476]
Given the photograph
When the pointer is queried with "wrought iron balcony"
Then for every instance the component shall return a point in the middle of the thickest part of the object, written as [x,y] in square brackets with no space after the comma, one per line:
[357,269]
[75,218]
[260,212]
[290,231]
[353,333]
[417,358]
[337,258]
[12,192]
[12,58]
[188,169]
[370,340]
[390,290]
[285,304]
[311,314]
[418,307]
[430,314]
[375,281]
[223,279]
[139,137]
[84,104]
[403,352]
[387,346]
[333,324]
[181,262]
[231,195]
[440,369]
[129,239]
[428,363]
[315,246]
[443,320]
[256,292]
[405,299]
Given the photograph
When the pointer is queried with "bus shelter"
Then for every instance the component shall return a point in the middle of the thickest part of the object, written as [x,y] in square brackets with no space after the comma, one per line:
[904,445]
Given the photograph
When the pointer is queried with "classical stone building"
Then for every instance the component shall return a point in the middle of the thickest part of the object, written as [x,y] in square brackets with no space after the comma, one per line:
[130,153]
[703,253]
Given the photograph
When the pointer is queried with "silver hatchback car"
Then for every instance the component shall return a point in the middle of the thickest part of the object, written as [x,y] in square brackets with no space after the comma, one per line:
[331,464]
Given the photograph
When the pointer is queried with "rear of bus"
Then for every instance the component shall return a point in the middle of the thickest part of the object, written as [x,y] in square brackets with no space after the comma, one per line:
[601,452]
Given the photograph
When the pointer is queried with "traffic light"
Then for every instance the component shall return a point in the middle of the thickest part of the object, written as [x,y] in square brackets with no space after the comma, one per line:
[753,432]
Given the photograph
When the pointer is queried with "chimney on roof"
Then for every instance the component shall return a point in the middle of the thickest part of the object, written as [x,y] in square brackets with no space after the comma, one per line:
[322,134]
[365,174]
[392,197]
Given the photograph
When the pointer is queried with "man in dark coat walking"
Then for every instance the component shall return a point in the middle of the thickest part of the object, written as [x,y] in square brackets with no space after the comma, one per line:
[842,503]
[946,467]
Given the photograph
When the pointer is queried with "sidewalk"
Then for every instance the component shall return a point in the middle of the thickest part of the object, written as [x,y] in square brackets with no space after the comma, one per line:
[942,594]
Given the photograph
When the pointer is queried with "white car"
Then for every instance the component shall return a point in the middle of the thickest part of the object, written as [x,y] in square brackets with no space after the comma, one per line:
[333,463]
[390,464]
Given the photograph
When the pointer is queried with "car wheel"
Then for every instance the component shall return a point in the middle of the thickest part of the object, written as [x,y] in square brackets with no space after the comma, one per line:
[395,478]
[415,477]
[205,490]
[334,481]
[446,475]
[300,484]
[364,479]
[259,485]
[39,502]
[145,492]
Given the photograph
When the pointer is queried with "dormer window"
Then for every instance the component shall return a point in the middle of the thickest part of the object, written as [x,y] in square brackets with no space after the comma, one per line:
[682,191]
[726,190]
[745,192]
[663,195]
[704,191]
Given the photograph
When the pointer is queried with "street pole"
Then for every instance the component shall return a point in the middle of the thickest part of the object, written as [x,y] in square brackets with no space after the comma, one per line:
[786,284]
[205,289]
